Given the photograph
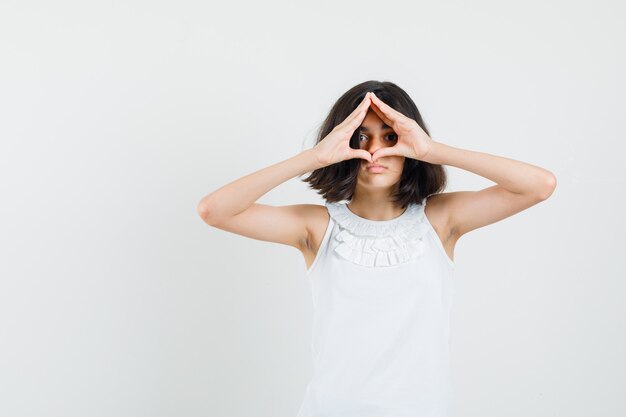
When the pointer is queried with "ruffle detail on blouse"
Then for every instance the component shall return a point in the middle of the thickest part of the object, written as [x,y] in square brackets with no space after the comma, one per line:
[379,243]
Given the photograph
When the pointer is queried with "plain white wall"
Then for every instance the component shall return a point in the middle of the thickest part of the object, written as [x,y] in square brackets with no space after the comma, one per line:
[117,117]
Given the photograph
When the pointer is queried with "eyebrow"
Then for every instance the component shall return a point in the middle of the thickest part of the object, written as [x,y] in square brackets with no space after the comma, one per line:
[384,126]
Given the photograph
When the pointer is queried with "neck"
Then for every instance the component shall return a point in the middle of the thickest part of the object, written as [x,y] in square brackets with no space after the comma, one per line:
[374,206]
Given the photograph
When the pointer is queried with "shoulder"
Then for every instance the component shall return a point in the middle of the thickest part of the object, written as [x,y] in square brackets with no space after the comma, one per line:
[437,210]
[317,221]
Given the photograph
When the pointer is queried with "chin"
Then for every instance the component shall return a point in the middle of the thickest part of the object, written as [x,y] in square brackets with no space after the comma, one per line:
[379,181]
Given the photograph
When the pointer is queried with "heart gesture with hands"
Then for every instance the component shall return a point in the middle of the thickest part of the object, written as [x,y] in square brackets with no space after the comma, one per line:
[412,142]
[335,147]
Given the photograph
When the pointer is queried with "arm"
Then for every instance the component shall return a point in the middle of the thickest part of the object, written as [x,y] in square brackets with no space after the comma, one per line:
[233,208]
[519,185]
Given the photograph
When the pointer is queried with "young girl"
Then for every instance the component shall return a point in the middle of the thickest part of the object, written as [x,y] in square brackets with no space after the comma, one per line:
[379,252]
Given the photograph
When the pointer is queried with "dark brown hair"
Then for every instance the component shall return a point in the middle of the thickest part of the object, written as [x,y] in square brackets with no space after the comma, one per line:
[337,182]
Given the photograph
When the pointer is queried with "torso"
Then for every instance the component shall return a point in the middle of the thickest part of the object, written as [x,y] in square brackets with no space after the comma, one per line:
[433,211]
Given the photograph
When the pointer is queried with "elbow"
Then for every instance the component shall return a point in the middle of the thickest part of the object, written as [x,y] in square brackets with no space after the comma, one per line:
[547,187]
[204,210]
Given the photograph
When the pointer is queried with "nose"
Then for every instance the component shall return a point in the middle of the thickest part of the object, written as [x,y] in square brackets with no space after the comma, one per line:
[375,143]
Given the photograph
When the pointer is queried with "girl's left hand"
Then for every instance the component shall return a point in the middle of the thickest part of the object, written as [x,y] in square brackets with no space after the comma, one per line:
[412,142]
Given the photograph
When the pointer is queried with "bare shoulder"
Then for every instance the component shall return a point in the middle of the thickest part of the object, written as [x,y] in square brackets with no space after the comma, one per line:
[437,211]
[464,211]
[289,224]
[315,217]
[317,221]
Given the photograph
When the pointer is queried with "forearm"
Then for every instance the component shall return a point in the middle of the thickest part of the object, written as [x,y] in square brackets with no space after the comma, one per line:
[515,176]
[235,197]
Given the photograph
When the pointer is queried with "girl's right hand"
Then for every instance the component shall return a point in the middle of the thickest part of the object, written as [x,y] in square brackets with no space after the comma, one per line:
[335,147]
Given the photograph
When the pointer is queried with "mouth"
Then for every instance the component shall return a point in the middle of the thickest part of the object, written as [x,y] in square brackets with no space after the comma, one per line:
[375,168]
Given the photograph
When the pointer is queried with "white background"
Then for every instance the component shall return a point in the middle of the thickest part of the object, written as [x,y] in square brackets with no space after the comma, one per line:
[117,117]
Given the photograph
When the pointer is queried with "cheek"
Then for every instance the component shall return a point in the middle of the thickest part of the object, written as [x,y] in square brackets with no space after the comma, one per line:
[398,163]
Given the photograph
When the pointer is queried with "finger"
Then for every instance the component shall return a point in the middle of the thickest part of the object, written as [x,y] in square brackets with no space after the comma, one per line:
[391,114]
[363,154]
[378,154]
[382,116]
[356,121]
[352,124]
[382,152]
[359,113]
[362,105]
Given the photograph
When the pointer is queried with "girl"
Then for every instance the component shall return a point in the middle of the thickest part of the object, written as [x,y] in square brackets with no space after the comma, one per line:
[379,253]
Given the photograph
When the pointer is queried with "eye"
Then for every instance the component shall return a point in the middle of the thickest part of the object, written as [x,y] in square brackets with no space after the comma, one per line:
[393,137]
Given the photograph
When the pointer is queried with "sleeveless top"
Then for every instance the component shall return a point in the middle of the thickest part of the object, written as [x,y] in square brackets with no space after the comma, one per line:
[382,293]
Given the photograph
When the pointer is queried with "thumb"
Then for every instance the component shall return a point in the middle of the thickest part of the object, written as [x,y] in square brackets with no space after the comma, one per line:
[363,154]
[382,152]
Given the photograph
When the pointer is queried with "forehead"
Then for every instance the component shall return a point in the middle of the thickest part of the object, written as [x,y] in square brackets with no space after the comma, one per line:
[372,122]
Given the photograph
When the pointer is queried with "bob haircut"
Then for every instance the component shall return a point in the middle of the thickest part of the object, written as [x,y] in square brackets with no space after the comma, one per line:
[337,182]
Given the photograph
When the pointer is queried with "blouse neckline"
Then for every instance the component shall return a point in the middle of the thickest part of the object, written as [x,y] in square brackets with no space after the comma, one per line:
[405,213]
[379,242]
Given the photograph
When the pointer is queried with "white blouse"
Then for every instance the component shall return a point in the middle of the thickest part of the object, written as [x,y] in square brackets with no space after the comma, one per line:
[382,293]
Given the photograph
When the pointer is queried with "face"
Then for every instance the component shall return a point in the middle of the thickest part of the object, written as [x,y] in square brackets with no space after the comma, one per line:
[375,134]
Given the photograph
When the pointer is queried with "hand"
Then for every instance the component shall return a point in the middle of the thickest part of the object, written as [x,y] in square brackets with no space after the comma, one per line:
[335,147]
[412,142]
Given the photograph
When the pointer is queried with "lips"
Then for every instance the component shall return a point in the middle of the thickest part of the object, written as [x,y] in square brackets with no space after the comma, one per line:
[376,168]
